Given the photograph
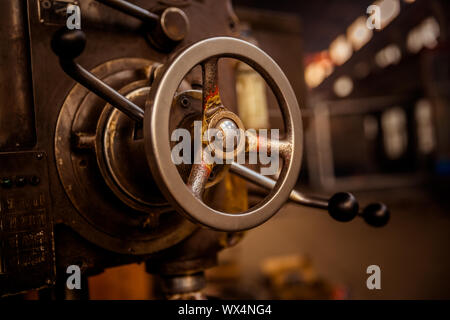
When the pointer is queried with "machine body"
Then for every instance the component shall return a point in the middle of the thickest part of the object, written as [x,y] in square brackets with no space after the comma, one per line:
[85,162]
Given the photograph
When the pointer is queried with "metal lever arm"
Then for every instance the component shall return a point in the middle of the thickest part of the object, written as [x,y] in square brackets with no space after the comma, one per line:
[70,44]
[165,30]
[342,206]
[132,10]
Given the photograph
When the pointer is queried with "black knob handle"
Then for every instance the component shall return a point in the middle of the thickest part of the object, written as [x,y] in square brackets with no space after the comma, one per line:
[343,207]
[376,214]
[68,44]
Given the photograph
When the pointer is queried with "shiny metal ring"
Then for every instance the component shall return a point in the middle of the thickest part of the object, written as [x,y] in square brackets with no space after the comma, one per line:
[157,136]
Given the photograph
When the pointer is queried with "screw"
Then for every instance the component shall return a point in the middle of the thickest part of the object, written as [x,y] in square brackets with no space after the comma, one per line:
[35,180]
[185,102]
[46,4]
[21,181]
[232,25]
[39,156]
[6,182]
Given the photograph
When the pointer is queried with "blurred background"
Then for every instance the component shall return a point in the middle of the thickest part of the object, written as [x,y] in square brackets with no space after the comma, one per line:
[376,111]
[376,116]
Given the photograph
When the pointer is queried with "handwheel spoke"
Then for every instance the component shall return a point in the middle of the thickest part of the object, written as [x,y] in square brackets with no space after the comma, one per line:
[211,95]
[198,178]
[212,103]
[200,172]
[199,175]
[258,143]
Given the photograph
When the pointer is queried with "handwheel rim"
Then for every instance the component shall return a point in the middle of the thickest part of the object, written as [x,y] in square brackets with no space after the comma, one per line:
[157,136]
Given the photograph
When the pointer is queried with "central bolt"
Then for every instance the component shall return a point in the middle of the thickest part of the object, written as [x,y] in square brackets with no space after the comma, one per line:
[227,137]
[229,134]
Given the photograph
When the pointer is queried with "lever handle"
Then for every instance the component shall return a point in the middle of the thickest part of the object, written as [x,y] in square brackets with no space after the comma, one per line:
[376,214]
[166,30]
[132,10]
[342,206]
[69,44]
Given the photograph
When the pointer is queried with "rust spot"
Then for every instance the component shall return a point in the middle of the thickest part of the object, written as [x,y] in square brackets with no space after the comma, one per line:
[212,99]
[208,168]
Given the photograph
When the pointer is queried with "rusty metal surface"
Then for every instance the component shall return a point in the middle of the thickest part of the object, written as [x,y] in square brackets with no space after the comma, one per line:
[211,104]
[186,109]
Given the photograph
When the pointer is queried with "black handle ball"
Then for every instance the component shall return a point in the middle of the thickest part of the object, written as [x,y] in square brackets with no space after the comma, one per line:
[376,214]
[343,207]
[68,44]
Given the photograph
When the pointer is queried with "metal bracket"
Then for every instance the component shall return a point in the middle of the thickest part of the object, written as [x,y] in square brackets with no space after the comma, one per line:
[54,12]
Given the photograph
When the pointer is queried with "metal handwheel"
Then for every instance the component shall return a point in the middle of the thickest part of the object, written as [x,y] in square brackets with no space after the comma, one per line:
[187,198]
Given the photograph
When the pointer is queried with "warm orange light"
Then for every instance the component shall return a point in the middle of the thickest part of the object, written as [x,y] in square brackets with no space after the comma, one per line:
[358,33]
[388,55]
[343,86]
[340,50]
[314,74]
[319,67]
[389,10]
[424,35]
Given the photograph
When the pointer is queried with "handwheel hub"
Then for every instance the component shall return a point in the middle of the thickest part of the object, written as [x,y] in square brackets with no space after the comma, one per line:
[225,135]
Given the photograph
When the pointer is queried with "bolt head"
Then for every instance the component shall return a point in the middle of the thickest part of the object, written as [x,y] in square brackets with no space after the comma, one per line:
[175,24]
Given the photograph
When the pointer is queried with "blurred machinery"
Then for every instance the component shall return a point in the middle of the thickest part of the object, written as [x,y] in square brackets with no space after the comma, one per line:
[87,177]
[379,100]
